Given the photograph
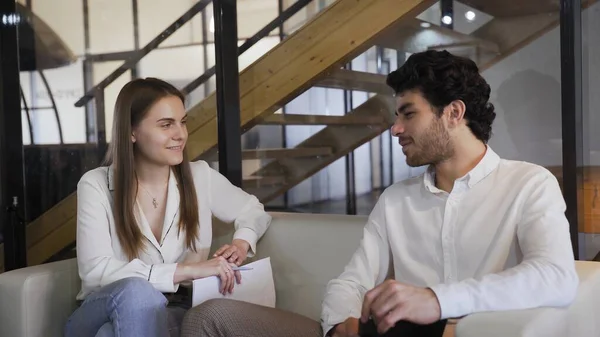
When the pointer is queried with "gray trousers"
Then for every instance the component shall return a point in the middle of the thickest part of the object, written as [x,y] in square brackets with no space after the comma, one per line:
[229,318]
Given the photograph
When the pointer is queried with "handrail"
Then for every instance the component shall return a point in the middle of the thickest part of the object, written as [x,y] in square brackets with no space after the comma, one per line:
[285,15]
[199,6]
[130,63]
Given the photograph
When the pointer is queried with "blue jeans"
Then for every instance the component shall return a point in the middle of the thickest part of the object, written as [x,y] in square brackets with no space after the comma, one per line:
[128,307]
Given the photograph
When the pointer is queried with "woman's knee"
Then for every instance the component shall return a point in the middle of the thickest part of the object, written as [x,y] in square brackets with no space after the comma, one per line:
[137,293]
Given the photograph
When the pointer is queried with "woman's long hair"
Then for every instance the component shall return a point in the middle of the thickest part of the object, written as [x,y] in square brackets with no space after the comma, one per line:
[133,103]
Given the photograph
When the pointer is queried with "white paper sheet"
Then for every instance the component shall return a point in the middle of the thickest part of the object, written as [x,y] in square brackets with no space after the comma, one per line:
[257,286]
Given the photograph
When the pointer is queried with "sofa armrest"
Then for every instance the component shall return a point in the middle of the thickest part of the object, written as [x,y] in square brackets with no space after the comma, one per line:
[36,301]
[542,322]
[576,320]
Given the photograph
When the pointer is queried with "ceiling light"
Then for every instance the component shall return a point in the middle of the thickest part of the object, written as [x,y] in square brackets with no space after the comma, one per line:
[446,20]
[470,15]
[425,24]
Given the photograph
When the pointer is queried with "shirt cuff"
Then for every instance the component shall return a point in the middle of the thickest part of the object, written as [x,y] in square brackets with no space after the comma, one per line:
[249,236]
[161,277]
[455,301]
[332,317]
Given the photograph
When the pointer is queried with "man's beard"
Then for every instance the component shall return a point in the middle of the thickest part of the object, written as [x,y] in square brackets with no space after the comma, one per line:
[433,146]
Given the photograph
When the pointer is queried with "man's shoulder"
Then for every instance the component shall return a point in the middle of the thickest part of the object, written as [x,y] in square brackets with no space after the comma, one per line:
[524,169]
[404,187]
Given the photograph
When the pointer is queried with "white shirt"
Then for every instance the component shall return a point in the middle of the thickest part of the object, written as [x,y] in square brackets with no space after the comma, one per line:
[499,241]
[100,257]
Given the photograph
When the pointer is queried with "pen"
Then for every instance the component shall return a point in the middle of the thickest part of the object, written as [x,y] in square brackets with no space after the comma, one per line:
[241,268]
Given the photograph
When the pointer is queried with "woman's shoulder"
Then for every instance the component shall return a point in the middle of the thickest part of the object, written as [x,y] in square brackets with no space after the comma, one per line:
[96,177]
[199,168]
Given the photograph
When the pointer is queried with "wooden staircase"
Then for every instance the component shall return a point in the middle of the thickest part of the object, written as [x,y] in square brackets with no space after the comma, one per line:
[313,56]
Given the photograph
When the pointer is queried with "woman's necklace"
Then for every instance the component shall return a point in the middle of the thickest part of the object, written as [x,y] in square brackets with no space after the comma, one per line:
[154,202]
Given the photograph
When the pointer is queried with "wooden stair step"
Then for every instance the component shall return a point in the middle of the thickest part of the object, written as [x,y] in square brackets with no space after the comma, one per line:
[259,181]
[276,153]
[355,80]
[296,119]
[341,138]
[410,36]
[513,8]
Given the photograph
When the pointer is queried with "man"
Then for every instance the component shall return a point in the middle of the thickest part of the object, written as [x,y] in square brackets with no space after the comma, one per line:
[473,233]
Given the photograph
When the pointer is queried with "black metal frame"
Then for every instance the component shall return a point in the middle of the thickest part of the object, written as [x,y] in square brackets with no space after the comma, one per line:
[136,36]
[228,91]
[349,159]
[447,8]
[12,173]
[280,10]
[572,114]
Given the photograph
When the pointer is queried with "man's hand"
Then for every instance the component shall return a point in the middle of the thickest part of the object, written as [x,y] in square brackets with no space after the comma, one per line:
[236,253]
[349,328]
[393,301]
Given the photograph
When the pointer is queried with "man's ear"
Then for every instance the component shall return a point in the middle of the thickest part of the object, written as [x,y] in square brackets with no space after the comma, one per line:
[456,112]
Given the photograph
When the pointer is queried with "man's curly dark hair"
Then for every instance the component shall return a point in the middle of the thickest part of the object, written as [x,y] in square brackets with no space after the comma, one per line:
[442,78]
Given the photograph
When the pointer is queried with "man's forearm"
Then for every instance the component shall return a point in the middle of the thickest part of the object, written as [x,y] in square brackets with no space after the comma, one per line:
[530,284]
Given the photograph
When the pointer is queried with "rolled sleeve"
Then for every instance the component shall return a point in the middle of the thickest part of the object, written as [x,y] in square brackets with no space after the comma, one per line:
[249,236]
[161,276]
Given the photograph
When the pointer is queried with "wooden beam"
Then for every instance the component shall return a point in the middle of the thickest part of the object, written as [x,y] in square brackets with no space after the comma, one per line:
[291,119]
[356,80]
[326,42]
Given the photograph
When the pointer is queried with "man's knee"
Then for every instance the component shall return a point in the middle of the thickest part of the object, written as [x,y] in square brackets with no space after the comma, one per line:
[137,293]
[225,317]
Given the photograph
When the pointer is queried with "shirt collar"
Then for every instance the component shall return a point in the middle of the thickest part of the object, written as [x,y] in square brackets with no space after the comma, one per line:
[486,165]
[110,175]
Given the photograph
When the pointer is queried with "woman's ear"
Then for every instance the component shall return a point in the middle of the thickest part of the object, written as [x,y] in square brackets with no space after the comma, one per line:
[133,137]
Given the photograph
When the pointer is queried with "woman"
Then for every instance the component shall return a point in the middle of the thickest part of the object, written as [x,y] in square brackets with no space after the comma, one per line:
[144,220]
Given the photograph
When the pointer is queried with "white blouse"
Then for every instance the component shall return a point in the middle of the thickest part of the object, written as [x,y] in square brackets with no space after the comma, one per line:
[100,257]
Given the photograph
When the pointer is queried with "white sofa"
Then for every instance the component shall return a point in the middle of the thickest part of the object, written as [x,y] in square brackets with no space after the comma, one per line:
[306,251]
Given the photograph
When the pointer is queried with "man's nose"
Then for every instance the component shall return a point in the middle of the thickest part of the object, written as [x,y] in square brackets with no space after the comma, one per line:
[397,129]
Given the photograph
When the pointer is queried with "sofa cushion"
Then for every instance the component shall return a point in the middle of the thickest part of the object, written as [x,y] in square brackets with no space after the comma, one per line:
[302,255]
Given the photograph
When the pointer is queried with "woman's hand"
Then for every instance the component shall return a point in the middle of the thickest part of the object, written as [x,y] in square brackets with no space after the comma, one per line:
[217,267]
[236,253]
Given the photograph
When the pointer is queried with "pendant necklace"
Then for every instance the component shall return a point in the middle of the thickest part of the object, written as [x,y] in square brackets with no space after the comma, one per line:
[154,202]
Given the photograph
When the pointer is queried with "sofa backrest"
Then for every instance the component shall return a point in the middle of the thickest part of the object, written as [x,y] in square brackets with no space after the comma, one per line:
[306,251]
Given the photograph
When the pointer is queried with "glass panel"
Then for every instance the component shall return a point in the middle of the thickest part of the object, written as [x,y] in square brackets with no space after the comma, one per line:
[590,24]
[61,143]
[517,50]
